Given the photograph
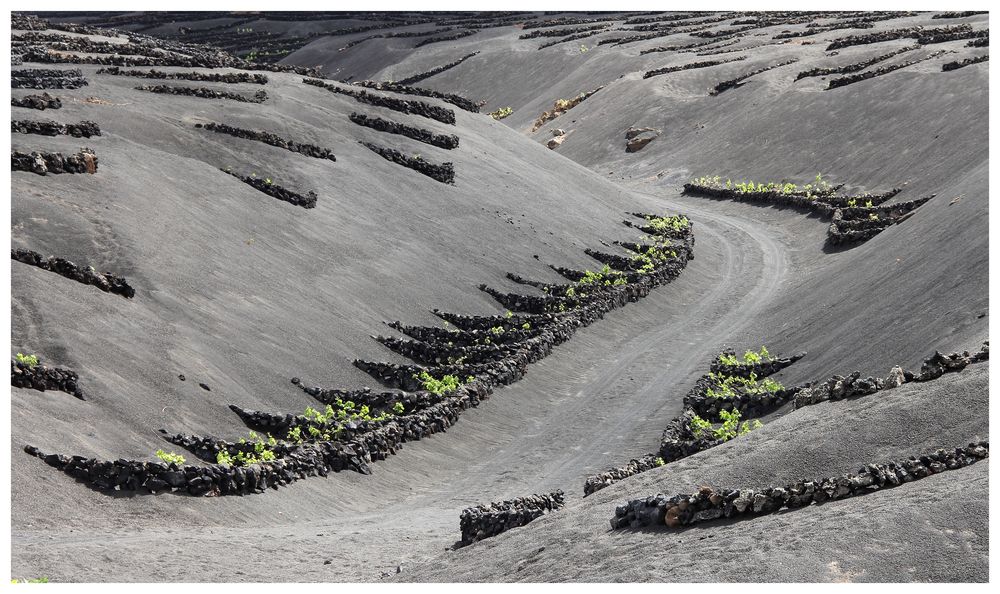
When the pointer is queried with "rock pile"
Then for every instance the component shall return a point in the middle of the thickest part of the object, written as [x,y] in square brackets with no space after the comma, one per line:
[42,378]
[558,137]
[445,141]
[83,129]
[41,163]
[39,102]
[712,504]
[444,172]
[484,521]
[309,150]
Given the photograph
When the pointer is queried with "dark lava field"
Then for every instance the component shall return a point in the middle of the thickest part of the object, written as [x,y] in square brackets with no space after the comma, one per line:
[499,296]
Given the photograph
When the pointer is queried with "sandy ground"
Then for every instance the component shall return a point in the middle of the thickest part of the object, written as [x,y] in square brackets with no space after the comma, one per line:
[243,292]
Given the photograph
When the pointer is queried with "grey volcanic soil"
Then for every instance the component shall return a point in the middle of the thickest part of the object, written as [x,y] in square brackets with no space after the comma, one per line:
[242,292]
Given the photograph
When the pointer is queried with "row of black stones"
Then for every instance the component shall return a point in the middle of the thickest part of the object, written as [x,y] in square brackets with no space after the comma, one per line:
[226,77]
[434,71]
[582,311]
[105,281]
[571,38]
[445,141]
[355,42]
[309,150]
[849,224]
[86,45]
[43,163]
[485,521]
[444,172]
[854,224]
[712,504]
[705,64]
[456,100]
[446,37]
[275,191]
[853,78]
[203,93]
[357,446]
[954,36]
[39,102]
[42,378]
[963,63]
[562,32]
[915,32]
[979,42]
[678,440]
[839,387]
[83,129]
[420,108]
[855,67]
[46,78]
[739,81]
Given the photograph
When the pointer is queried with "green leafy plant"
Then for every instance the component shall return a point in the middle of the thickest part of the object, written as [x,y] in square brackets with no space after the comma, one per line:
[729,429]
[501,113]
[526,326]
[27,360]
[398,408]
[41,580]
[439,387]
[170,457]
[659,461]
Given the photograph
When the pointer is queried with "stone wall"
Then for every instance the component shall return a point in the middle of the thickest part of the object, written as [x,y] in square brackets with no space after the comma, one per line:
[714,504]
[275,191]
[419,108]
[49,128]
[484,521]
[309,150]
[225,77]
[105,281]
[39,102]
[42,378]
[203,93]
[44,163]
[434,71]
[444,172]
[445,141]
[46,78]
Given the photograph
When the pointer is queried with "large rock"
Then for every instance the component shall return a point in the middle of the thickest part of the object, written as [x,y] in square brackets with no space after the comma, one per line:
[637,138]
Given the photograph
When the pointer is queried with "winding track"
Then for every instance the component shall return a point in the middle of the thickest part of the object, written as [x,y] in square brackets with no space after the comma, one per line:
[595,402]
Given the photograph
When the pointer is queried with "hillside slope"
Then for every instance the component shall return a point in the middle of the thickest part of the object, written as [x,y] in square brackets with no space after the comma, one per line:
[243,292]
